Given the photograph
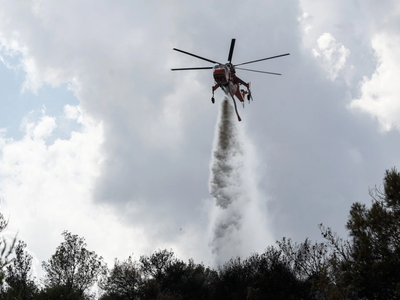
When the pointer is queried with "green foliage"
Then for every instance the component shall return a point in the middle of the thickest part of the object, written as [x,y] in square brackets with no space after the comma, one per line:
[332,283]
[391,195]
[123,281]
[73,268]
[5,249]
[363,267]
[156,265]
[60,292]
[366,266]
[18,276]
[166,277]
[375,255]
[158,276]
[265,276]
[305,259]
[197,281]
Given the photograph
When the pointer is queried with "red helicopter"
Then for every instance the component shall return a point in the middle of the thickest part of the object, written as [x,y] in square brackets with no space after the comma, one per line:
[225,76]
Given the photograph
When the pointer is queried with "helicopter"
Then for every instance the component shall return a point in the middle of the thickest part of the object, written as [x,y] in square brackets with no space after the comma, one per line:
[225,76]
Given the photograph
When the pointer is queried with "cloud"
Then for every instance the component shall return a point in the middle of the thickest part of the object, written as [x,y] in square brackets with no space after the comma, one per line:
[135,166]
[333,54]
[38,130]
[379,94]
[304,20]
[47,188]
[114,59]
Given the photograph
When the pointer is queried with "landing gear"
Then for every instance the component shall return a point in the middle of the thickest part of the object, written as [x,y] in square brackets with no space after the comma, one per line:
[249,96]
[213,90]
[248,93]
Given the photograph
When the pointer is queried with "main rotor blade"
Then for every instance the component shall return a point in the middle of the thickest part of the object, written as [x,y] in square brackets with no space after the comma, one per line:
[231,50]
[258,71]
[206,59]
[253,61]
[198,68]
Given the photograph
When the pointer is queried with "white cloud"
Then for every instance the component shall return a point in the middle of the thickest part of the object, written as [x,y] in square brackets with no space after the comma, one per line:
[46,189]
[333,54]
[380,94]
[151,161]
[44,128]
[305,20]
[113,58]
[72,112]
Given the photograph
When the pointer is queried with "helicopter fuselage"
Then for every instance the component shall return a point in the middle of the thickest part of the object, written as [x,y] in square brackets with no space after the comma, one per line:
[224,76]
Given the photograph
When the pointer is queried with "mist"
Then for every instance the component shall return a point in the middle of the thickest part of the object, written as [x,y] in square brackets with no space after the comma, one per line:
[239,218]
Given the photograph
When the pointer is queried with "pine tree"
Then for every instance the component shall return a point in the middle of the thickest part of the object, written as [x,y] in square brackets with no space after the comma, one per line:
[375,232]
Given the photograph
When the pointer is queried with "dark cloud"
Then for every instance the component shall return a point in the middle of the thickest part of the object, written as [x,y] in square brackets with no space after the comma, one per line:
[314,156]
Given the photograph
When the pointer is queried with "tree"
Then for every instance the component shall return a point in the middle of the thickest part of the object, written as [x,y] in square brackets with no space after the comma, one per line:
[166,277]
[5,249]
[60,292]
[18,276]
[123,281]
[196,281]
[232,281]
[375,232]
[332,283]
[155,265]
[73,267]
[305,259]
[154,270]
[261,276]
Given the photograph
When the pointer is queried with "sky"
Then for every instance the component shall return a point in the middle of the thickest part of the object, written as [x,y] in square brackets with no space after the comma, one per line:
[100,138]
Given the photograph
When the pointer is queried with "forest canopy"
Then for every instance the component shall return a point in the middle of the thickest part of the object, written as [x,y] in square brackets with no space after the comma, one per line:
[364,266]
